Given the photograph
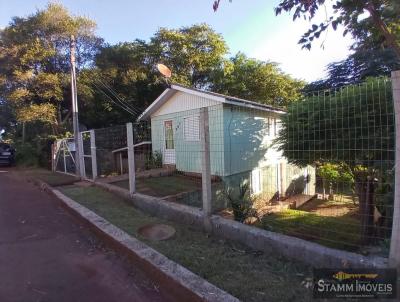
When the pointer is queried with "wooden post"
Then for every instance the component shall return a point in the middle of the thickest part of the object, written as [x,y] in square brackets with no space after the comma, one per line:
[205,167]
[131,158]
[93,154]
[394,255]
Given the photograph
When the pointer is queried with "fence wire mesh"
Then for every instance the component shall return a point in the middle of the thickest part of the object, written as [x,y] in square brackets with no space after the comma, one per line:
[111,144]
[347,135]
[322,169]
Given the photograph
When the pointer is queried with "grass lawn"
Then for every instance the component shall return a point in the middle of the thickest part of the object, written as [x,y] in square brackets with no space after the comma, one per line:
[343,205]
[244,273]
[342,232]
[52,178]
[163,186]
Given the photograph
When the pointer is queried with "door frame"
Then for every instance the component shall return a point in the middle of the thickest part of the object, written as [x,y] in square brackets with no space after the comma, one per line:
[169,155]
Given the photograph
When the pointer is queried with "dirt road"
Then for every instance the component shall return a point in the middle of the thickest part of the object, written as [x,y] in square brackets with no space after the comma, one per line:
[47,255]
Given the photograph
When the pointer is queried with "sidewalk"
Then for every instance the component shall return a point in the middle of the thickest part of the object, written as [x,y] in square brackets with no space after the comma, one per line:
[46,255]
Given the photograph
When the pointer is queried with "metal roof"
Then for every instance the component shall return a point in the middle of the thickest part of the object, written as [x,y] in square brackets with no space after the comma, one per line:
[169,92]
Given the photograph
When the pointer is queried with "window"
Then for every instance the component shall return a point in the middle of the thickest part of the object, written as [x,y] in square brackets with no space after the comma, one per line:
[256,181]
[191,128]
[169,135]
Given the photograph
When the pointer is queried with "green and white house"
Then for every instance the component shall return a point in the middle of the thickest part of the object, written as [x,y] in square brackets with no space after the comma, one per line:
[241,136]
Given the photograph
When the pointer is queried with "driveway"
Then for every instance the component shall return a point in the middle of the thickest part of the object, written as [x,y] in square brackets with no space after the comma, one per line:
[47,255]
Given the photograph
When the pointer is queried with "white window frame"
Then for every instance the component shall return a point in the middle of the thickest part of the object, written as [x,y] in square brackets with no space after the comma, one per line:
[185,138]
[256,173]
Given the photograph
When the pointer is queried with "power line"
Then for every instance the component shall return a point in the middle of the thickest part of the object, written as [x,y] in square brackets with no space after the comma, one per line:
[122,101]
[127,109]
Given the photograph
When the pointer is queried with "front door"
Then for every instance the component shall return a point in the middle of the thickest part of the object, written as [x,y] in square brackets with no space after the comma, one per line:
[169,145]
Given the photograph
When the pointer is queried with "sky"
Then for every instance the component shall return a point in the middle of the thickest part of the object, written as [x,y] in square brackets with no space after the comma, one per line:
[247,26]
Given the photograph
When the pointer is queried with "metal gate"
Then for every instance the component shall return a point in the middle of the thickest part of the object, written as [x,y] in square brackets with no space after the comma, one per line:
[64,156]
[89,162]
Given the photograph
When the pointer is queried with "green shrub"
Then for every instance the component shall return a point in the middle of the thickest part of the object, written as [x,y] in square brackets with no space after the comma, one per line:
[27,155]
[153,160]
[241,202]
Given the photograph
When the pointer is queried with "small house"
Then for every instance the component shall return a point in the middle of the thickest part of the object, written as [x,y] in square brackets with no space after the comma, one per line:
[241,140]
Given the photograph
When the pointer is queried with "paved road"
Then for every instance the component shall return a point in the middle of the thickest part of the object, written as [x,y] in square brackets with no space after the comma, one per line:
[47,255]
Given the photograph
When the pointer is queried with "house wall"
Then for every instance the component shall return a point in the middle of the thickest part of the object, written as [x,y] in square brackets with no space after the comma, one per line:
[248,145]
[239,143]
[188,156]
[181,102]
[247,140]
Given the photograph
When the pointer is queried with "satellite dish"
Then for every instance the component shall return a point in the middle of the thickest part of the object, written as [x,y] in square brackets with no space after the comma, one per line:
[164,70]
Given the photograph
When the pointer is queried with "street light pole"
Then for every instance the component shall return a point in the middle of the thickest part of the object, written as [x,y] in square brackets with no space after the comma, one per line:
[74,96]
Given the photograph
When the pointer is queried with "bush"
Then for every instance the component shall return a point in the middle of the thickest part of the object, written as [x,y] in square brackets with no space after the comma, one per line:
[241,202]
[153,160]
[27,155]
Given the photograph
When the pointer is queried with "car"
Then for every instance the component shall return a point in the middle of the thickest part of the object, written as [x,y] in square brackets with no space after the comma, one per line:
[7,154]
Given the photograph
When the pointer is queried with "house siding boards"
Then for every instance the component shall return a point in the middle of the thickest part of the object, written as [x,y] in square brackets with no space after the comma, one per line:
[241,141]
[182,101]
[188,157]
[247,139]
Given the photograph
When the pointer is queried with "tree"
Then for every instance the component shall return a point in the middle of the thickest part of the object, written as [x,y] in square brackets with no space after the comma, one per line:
[191,52]
[34,73]
[360,65]
[34,62]
[120,86]
[332,174]
[255,80]
[129,69]
[353,125]
[381,26]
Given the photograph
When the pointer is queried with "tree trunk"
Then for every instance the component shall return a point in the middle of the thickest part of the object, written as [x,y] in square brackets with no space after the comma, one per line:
[330,197]
[23,132]
[365,192]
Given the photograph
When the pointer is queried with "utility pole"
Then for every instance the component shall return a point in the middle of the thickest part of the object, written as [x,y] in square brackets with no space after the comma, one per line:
[75,120]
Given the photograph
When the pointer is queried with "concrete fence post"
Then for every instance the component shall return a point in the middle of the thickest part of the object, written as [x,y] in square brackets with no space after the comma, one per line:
[394,255]
[93,154]
[53,157]
[80,158]
[205,167]
[131,158]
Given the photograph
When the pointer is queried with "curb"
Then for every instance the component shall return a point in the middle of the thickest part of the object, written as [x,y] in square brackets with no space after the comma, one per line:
[174,279]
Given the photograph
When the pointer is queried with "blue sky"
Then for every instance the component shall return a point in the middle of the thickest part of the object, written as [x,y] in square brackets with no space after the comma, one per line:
[250,28]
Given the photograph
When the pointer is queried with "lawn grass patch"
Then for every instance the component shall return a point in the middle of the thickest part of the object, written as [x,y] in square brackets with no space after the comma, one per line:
[54,179]
[341,232]
[247,274]
[163,186]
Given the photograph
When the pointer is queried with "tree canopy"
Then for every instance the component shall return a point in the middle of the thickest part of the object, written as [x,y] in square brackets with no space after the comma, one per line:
[34,62]
[341,125]
[256,80]
[359,66]
[115,83]
[371,22]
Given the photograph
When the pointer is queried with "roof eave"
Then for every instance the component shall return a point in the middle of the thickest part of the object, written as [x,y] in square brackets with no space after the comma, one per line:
[156,104]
